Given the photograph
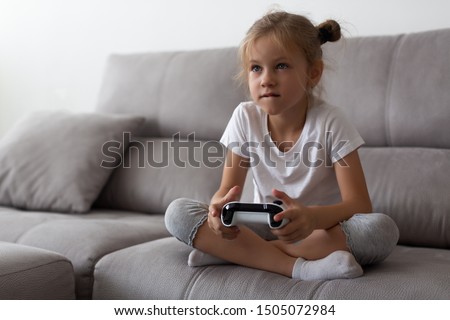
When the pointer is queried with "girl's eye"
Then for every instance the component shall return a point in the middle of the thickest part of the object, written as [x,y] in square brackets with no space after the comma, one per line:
[282,66]
[255,68]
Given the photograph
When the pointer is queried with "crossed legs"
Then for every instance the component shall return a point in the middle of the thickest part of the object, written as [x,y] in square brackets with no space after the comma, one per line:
[323,255]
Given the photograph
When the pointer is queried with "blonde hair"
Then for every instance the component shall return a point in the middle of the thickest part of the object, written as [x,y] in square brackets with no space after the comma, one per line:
[293,32]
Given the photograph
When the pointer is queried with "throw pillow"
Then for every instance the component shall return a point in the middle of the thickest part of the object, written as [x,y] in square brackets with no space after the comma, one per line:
[51,160]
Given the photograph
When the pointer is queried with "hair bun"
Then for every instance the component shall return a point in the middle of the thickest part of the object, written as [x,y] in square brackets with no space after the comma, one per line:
[329,31]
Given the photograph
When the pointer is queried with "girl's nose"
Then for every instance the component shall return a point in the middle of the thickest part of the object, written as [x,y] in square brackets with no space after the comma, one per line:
[267,79]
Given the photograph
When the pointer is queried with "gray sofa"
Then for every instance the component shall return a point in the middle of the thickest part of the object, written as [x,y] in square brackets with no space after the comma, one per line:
[98,230]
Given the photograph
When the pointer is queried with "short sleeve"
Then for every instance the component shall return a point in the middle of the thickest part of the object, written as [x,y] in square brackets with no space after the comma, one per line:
[234,136]
[342,138]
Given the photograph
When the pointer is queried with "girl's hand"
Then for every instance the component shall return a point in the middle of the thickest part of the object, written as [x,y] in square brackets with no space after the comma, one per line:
[302,222]
[215,209]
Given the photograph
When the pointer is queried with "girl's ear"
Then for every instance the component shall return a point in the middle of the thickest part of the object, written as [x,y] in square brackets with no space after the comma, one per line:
[315,73]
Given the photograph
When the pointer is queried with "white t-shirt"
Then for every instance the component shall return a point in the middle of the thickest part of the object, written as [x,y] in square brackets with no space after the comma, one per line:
[305,172]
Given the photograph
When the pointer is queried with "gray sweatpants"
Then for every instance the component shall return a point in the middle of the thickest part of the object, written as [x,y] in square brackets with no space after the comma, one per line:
[370,237]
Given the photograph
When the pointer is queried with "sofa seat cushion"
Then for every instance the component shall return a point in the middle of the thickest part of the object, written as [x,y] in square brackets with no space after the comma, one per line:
[32,273]
[125,275]
[82,238]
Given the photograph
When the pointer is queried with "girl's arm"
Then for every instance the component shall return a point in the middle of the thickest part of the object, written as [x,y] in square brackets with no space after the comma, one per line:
[233,179]
[354,194]
[355,199]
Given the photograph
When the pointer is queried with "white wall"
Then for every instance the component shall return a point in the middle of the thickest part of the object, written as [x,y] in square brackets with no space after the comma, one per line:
[52,52]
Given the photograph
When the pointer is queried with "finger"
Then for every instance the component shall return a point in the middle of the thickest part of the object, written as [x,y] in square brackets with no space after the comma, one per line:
[289,214]
[291,237]
[214,210]
[233,194]
[279,216]
[288,230]
[283,197]
[214,224]
[291,234]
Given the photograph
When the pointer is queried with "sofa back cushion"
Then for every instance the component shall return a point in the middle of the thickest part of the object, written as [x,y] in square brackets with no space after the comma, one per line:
[411,185]
[155,171]
[395,89]
[419,107]
[178,92]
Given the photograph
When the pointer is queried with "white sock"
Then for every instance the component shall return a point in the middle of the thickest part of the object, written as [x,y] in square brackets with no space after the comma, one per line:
[199,258]
[337,265]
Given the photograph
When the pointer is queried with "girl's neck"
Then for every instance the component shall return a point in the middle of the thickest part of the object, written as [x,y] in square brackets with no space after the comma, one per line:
[285,129]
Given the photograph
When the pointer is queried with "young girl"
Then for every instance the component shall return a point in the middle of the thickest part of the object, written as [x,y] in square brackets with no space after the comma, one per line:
[301,151]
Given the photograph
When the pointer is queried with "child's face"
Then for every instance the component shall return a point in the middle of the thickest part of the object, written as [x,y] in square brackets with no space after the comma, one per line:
[277,80]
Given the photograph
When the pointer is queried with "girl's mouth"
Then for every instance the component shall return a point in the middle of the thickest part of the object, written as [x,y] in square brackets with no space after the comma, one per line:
[270,95]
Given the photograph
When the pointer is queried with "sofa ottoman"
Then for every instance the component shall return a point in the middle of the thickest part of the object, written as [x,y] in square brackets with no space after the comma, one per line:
[82,238]
[32,273]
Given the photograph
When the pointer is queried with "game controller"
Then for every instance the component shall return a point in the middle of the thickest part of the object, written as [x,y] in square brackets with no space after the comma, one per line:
[234,213]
